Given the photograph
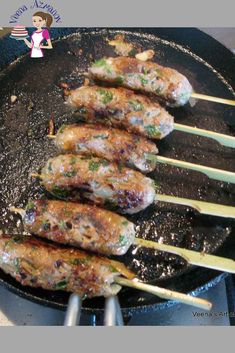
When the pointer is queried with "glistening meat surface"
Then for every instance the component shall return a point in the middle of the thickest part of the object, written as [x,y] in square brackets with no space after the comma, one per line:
[37,264]
[163,82]
[112,144]
[80,225]
[74,177]
[121,108]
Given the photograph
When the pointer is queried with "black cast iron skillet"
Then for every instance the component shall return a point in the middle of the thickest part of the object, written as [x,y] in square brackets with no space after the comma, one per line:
[24,148]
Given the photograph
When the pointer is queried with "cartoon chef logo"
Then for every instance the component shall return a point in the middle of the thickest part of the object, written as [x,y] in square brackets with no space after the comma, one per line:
[41,21]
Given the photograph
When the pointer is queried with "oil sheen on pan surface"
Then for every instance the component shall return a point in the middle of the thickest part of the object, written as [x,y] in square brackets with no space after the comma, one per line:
[24,148]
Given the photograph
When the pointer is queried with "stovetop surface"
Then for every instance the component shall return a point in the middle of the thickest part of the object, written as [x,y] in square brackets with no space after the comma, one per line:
[15,310]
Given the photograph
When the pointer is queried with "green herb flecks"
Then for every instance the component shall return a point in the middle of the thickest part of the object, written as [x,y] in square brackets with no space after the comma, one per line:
[85,158]
[125,223]
[61,285]
[105,163]
[111,204]
[17,239]
[120,167]
[59,192]
[62,128]
[103,64]
[49,167]
[67,212]
[101,136]
[106,95]
[146,71]
[132,52]
[119,80]
[158,90]
[155,185]
[30,206]
[143,80]
[73,160]
[112,269]
[94,166]
[122,240]
[79,261]
[46,225]
[136,106]
[70,174]
[62,225]
[16,263]
[150,157]
[152,131]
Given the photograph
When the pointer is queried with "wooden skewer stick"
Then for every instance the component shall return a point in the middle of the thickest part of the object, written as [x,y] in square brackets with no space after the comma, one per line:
[165,293]
[36,175]
[208,208]
[212,173]
[225,140]
[213,99]
[21,211]
[192,257]
[203,207]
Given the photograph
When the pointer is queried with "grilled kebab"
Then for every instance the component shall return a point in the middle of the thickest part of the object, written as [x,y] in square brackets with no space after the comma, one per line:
[35,263]
[163,82]
[75,177]
[80,225]
[122,108]
[112,144]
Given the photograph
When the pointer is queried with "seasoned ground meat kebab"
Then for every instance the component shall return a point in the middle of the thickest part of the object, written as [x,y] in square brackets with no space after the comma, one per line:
[163,82]
[37,264]
[100,231]
[122,108]
[76,177]
[80,225]
[124,148]
[112,144]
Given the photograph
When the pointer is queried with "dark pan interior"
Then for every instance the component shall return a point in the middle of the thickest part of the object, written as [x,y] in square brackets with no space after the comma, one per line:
[24,148]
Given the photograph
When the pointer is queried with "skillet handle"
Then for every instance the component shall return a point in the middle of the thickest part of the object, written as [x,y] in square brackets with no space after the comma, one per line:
[73,313]
[112,313]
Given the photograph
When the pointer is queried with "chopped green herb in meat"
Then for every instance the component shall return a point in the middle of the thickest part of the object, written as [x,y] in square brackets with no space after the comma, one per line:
[61,285]
[105,163]
[50,167]
[106,95]
[46,225]
[112,269]
[61,129]
[119,80]
[94,166]
[61,193]
[16,263]
[143,80]
[122,240]
[125,223]
[136,106]
[103,63]
[102,136]
[79,261]
[152,131]
[73,160]
[70,174]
